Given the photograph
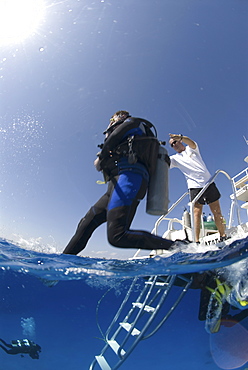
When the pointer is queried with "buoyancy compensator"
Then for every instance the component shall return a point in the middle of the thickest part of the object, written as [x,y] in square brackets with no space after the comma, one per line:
[158,190]
[145,149]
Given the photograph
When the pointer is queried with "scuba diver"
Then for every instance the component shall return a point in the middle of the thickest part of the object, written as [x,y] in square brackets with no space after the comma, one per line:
[218,296]
[127,159]
[21,346]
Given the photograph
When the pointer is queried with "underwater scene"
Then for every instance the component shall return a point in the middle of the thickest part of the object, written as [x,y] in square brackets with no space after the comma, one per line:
[65,67]
[66,303]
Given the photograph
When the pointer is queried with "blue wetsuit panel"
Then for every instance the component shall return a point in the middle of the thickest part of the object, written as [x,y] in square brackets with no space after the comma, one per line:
[125,190]
[134,131]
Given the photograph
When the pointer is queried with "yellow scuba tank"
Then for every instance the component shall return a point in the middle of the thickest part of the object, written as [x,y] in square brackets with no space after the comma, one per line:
[158,190]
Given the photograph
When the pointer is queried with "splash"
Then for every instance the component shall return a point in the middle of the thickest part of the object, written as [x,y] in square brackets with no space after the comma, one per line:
[35,244]
[231,287]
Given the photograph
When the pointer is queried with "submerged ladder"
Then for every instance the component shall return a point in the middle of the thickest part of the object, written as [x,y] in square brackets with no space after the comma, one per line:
[129,331]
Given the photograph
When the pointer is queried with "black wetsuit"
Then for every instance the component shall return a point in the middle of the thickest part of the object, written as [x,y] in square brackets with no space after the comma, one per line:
[127,185]
[22,346]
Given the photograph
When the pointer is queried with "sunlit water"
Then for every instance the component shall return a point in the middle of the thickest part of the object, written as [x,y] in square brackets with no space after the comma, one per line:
[68,320]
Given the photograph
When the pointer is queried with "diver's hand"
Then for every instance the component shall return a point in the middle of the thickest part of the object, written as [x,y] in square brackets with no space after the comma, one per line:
[97,164]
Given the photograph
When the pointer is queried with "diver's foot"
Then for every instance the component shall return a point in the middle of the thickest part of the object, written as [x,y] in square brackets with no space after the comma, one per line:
[179,243]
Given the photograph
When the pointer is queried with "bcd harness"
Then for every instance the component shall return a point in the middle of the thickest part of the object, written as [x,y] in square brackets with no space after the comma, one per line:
[21,343]
[136,148]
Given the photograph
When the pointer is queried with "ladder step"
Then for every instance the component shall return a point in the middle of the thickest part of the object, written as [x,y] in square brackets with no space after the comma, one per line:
[127,327]
[147,308]
[102,363]
[158,284]
[115,347]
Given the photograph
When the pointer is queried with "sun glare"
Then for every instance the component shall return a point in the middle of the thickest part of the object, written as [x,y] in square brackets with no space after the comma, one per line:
[19,19]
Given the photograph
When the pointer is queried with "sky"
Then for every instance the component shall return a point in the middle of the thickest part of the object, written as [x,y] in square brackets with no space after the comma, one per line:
[180,64]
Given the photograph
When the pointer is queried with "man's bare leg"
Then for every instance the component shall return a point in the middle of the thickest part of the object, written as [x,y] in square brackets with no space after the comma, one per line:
[197,218]
[218,218]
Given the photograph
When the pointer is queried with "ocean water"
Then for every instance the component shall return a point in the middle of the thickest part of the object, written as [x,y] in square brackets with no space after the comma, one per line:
[69,319]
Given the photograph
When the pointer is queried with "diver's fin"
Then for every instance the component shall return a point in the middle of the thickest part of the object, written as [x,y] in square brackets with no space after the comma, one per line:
[217,306]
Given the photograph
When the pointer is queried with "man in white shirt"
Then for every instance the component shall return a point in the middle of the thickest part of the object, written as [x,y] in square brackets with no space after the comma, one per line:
[188,159]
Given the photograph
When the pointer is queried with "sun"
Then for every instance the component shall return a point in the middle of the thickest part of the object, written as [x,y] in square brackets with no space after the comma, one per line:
[19,19]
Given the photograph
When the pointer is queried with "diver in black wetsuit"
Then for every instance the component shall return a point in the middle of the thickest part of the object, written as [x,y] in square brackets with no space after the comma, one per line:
[127,160]
[217,297]
[21,346]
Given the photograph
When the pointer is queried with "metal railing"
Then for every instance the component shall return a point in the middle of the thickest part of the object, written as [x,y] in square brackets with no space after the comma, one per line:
[234,201]
[192,204]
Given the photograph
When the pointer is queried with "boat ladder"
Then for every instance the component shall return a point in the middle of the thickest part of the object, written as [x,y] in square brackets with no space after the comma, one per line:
[128,330]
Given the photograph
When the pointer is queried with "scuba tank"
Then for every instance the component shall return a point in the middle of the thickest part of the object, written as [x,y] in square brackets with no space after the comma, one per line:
[186,218]
[158,190]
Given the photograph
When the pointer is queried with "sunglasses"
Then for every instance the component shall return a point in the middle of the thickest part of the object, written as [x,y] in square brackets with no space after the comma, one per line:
[173,143]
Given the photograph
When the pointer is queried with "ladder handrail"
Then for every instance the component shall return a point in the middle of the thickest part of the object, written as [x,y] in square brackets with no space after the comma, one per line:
[138,315]
[163,286]
[121,307]
[171,309]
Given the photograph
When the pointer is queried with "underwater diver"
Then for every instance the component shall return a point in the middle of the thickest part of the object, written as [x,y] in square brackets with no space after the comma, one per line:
[127,159]
[218,295]
[188,159]
[21,346]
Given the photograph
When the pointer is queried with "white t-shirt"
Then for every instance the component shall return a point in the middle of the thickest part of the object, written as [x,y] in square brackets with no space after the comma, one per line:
[192,166]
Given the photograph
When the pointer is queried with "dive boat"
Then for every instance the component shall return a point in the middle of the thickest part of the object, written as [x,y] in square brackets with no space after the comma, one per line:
[209,234]
[142,314]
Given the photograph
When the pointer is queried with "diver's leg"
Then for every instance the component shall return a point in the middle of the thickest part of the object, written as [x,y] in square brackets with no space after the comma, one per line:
[94,218]
[5,350]
[6,344]
[128,192]
[9,351]
[119,235]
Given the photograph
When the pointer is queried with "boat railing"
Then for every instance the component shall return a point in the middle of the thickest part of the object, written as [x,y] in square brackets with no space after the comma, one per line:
[234,201]
[240,183]
[164,217]
[234,205]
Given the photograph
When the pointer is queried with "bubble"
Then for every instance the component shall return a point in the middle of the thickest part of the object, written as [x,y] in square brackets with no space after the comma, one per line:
[28,326]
